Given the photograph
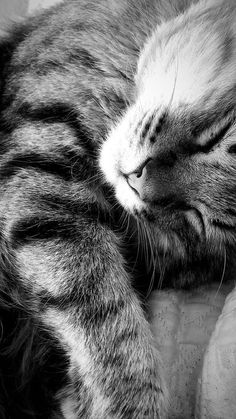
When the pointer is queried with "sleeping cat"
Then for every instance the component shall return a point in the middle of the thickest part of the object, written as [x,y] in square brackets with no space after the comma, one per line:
[103,98]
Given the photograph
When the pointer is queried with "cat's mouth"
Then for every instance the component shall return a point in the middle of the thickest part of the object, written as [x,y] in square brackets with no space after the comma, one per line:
[177,220]
[173,217]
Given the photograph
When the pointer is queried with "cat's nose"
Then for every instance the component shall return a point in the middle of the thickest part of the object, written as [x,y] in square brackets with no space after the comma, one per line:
[154,180]
[138,179]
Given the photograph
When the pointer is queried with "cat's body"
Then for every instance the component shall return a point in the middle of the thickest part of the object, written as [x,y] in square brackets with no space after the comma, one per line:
[67,76]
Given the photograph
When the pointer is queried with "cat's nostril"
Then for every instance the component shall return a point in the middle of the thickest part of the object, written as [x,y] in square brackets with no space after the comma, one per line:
[135,181]
[137,178]
[138,173]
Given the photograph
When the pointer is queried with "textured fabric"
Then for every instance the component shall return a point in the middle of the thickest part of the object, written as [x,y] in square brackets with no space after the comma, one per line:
[196,335]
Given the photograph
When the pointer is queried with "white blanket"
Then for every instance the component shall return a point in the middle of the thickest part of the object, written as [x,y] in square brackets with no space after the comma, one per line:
[195,333]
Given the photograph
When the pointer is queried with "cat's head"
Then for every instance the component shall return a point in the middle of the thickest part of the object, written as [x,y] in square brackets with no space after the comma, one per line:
[171,158]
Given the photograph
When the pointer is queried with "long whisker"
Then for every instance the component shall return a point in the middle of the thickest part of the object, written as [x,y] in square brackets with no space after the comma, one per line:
[138,244]
[152,280]
[162,268]
[152,254]
[175,83]
[222,276]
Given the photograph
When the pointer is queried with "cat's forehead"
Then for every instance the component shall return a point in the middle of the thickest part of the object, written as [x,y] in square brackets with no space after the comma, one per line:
[190,61]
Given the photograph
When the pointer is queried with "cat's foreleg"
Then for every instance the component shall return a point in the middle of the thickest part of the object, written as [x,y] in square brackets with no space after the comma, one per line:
[74,275]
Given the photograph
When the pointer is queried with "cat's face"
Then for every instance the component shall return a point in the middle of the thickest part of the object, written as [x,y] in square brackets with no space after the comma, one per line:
[172,157]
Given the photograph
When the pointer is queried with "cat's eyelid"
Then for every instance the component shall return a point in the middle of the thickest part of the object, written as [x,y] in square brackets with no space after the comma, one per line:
[213,135]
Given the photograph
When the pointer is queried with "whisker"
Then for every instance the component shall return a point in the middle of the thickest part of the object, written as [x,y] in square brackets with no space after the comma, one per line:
[152,258]
[222,276]
[175,82]
[162,268]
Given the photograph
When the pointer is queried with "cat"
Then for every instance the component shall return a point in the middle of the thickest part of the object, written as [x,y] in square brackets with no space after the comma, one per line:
[90,92]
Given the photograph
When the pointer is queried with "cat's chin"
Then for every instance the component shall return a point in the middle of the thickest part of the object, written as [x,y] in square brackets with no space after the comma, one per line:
[180,257]
[169,233]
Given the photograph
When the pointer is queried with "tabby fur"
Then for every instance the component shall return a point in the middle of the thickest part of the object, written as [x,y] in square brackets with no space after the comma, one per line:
[74,332]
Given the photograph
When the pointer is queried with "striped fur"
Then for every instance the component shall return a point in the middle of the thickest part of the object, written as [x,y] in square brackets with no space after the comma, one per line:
[74,333]
[91,89]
